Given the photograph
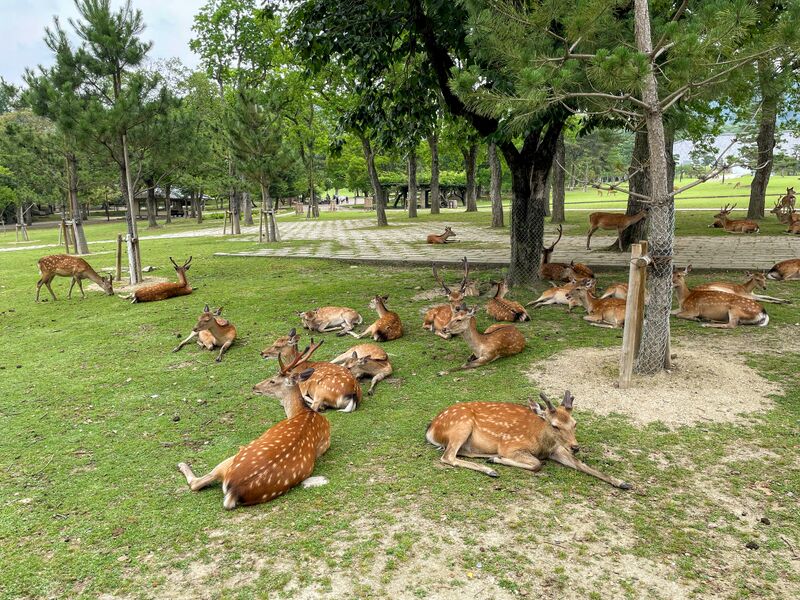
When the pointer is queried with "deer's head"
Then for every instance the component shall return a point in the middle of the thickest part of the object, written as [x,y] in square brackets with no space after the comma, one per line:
[724,211]
[281,385]
[183,268]
[207,319]
[679,276]
[107,285]
[378,301]
[560,420]
[759,278]
[357,366]
[307,318]
[547,251]
[449,232]
[790,191]
[281,344]
[582,289]
[460,321]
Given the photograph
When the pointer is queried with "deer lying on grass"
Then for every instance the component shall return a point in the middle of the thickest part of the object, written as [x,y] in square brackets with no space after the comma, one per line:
[733,225]
[607,312]
[330,318]
[727,310]
[501,308]
[437,317]
[78,269]
[362,350]
[558,294]
[786,270]
[163,291]
[620,222]
[616,290]
[786,215]
[555,272]
[754,280]
[211,331]
[281,458]
[442,238]
[387,327]
[512,435]
[369,366]
[498,341]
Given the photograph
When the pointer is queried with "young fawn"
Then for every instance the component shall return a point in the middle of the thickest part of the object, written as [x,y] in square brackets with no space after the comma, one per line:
[387,327]
[727,310]
[558,294]
[368,366]
[442,238]
[754,280]
[211,331]
[78,269]
[498,341]
[512,435]
[163,291]
[502,309]
[281,458]
[786,270]
[437,317]
[607,312]
[620,222]
[330,318]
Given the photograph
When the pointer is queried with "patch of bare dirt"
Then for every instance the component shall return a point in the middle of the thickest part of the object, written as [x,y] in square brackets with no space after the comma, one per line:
[122,287]
[708,384]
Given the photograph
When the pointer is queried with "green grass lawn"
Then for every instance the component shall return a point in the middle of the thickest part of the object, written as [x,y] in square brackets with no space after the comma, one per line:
[96,413]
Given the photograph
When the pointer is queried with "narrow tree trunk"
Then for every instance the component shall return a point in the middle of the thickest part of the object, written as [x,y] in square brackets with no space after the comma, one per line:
[412,183]
[559,175]
[72,179]
[549,190]
[248,208]
[126,186]
[168,203]
[235,205]
[192,204]
[151,203]
[495,186]
[765,141]
[199,204]
[470,158]
[433,144]
[377,189]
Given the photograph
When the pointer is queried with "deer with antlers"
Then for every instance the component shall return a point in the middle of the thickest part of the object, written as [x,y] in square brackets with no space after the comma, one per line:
[733,225]
[613,221]
[330,318]
[387,327]
[163,291]
[211,331]
[501,308]
[745,290]
[441,238]
[608,312]
[283,457]
[376,367]
[437,317]
[498,341]
[558,294]
[785,215]
[555,272]
[786,270]
[511,435]
[78,269]
[725,310]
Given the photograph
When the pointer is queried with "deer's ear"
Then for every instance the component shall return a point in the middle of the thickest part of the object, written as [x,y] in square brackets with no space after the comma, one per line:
[292,332]
[385,298]
[218,312]
[355,355]
[304,375]
[206,308]
[688,269]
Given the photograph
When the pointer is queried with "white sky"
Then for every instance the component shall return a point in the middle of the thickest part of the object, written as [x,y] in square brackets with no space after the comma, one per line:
[22,23]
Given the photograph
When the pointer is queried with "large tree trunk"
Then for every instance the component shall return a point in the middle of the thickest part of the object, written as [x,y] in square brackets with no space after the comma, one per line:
[495,186]
[248,208]
[235,205]
[559,193]
[377,189]
[433,143]
[412,183]
[126,185]
[151,203]
[470,160]
[765,141]
[192,204]
[655,342]
[72,180]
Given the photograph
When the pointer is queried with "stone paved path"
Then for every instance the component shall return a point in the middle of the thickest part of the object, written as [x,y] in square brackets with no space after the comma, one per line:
[361,241]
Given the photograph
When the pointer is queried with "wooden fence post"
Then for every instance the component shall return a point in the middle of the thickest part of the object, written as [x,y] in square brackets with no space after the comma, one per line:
[634,312]
[261,225]
[119,257]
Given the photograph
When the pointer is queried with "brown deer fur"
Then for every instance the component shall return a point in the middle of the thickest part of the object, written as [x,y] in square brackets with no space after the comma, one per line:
[616,290]
[550,271]
[211,331]
[734,225]
[502,309]
[78,269]
[437,317]
[558,294]
[362,350]
[754,280]
[367,366]
[330,318]
[498,341]
[442,238]
[387,327]
[163,291]
[608,312]
[786,270]
[620,222]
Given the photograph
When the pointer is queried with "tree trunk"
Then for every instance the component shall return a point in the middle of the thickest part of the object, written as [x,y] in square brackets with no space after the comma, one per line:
[72,179]
[192,204]
[199,204]
[151,203]
[377,189]
[559,175]
[655,342]
[168,203]
[495,186]
[765,141]
[248,208]
[271,223]
[126,185]
[235,205]
[412,183]
[433,143]
[470,158]
[549,190]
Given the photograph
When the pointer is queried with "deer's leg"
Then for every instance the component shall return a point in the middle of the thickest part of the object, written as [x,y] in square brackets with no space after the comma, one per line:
[445,336]
[733,321]
[222,350]
[589,236]
[39,287]
[198,483]
[49,289]
[619,237]
[477,362]
[368,331]
[521,460]
[374,382]
[771,299]
[80,287]
[186,341]
[206,339]
[686,315]
[71,285]
[564,457]
[458,438]
[602,324]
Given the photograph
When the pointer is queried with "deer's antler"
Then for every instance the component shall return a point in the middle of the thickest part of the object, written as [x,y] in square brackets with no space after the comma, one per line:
[439,280]
[558,239]
[546,400]
[466,274]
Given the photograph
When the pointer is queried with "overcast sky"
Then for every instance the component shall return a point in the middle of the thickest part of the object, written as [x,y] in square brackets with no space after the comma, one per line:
[169,27]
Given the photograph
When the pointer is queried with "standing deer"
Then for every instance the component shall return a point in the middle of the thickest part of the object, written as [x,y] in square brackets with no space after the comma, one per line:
[558,294]
[607,312]
[498,341]
[368,366]
[512,435]
[555,272]
[442,238]
[788,200]
[620,222]
[728,310]
[501,308]
[733,225]
[330,318]
[281,458]
[786,270]
[387,327]
[754,280]
[163,291]
[78,269]
[211,331]
[439,316]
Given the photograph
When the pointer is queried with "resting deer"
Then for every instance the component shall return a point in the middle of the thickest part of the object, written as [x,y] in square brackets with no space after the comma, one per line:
[608,312]
[511,435]
[330,318]
[550,271]
[786,270]
[211,331]
[558,295]
[362,350]
[439,316]
[784,214]
[281,458]
[728,310]
[498,341]
[501,308]
[754,280]
[734,225]
[163,291]
[616,290]
[78,269]
[442,238]
[369,366]
[620,222]
[387,327]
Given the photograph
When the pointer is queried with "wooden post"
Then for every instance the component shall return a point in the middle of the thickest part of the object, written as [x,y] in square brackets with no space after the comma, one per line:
[119,257]
[634,312]
[261,226]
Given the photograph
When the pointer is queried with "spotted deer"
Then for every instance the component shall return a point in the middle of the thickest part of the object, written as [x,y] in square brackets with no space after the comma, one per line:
[734,225]
[330,318]
[725,310]
[501,308]
[64,265]
[442,238]
[793,225]
[498,341]
[211,331]
[555,272]
[376,367]
[437,317]
[786,270]
[163,291]
[620,222]
[616,290]
[558,294]
[362,350]
[754,280]
[512,435]
[387,327]
[283,457]
[608,312]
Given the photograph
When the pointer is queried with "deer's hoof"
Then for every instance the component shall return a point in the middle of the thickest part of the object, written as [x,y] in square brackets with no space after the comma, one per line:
[624,486]
[218,359]
[493,474]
